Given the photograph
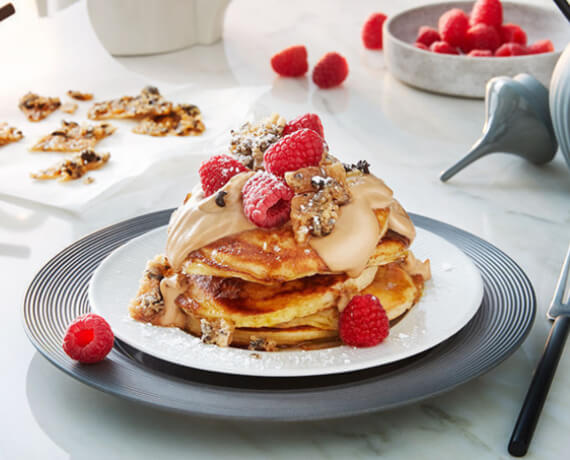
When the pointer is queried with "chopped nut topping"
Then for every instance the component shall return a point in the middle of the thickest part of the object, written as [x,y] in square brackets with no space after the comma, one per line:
[69,107]
[72,137]
[148,103]
[219,332]
[250,141]
[261,344]
[74,167]
[319,193]
[149,300]
[9,134]
[79,96]
[88,180]
[362,165]
[36,107]
[182,120]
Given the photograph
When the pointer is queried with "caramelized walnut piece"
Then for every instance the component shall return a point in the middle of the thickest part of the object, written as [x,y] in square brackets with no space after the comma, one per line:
[148,103]
[79,96]
[69,107]
[9,134]
[218,332]
[319,193]
[183,120]
[149,300]
[261,344]
[36,107]
[72,137]
[74,167]
[250,142]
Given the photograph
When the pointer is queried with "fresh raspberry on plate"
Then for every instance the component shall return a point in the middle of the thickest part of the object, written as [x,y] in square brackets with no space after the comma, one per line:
[266,200]
[541,46]
[481,37]
[427,35]
[421,46]
[88,339]
[443,48]
[453,25]
[488,12]
[512,33]
[296,150]
[364,322]
[372,31]
[480,53]
[291,62]
[215,172]
[330,71]
[308,120]
[511,49]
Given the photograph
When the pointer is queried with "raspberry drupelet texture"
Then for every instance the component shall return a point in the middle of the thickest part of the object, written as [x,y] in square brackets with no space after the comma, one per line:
[364,322]
[308,120]
[266,200]
[88,339]
[453,25]
[330,71]
[488,12]
[427,35]
[421,46]
[480,53]
[297,150]
[481,37]
[291,62]
[512,33]
[372,31]
[511,49]
[443,48]
[541,46]
[216,171]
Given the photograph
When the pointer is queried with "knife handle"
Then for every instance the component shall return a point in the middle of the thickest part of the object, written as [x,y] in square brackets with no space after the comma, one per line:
[539,386]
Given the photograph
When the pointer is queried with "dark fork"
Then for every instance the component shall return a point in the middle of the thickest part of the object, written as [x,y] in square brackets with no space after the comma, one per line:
[559,311]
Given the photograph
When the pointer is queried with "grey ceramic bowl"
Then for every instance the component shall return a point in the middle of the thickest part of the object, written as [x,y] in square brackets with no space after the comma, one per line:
[462,75]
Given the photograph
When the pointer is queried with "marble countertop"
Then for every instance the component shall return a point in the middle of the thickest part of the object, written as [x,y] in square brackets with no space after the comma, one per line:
[408,135]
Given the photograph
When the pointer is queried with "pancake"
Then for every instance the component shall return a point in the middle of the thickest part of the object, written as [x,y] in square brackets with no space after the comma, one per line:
[267,256]
[300,313]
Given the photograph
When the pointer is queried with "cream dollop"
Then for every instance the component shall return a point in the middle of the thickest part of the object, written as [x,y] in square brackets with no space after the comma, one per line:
[357,231]
[200,221]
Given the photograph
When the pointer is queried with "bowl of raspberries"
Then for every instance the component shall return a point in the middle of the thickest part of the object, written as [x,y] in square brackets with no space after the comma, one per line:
[454,48]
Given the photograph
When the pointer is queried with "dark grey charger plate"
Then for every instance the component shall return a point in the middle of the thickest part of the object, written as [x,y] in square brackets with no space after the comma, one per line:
[58,294]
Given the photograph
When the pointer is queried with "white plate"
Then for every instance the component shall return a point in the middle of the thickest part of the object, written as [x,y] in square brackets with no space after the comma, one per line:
[450,300]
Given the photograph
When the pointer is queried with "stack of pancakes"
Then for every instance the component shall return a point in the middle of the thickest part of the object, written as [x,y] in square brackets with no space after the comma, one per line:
[260,289]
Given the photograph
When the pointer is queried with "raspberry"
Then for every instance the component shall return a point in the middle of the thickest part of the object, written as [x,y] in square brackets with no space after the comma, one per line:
[443,48]
[481,37]
[541,46]
[453,25]
[330,71]
[309,120]
[480,53]
[217,171]
[364,323]
[266,200]
[291,62]
[297,150]
[88,339]
[488,12]
[512,33]
[421,46]
[511,49]
[428,35]
[372,31]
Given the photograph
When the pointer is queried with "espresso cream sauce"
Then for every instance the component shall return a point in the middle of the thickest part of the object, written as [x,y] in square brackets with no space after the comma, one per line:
[200,221]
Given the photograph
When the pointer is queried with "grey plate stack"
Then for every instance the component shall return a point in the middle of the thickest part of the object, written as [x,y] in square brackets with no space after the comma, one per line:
[58,294]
